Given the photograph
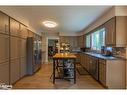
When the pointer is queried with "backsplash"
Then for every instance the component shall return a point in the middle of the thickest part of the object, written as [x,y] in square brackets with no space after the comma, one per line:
[119,52]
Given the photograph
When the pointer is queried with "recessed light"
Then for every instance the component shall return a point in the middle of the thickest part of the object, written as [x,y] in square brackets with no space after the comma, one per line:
[49,24]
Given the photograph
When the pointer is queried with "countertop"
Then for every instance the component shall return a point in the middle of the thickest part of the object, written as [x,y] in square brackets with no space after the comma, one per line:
[102,56]
[64,56]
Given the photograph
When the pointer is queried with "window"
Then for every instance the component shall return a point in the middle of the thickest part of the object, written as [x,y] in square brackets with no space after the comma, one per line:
[88,41]
[98,39]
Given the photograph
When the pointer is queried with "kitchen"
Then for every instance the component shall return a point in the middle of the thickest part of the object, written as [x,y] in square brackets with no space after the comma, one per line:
[100,48]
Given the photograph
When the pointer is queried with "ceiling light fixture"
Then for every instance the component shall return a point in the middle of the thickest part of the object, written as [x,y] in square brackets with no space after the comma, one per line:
[49,24]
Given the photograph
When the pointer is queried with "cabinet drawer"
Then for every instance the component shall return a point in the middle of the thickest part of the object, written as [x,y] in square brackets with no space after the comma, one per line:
[4,72]
[4,48]
[14,70]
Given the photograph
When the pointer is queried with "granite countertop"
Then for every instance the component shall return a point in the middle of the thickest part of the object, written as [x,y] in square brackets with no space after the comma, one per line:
[102,56]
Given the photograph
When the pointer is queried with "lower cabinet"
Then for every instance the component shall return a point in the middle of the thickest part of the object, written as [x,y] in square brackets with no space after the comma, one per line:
[14,70]
[110,73]
[102,71]
[23,67]
[4,72]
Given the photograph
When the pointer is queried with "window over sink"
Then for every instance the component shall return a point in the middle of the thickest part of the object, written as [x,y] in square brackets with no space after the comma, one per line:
[96,39]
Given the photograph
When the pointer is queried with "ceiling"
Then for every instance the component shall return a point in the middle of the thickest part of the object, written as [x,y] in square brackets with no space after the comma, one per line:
[69,18]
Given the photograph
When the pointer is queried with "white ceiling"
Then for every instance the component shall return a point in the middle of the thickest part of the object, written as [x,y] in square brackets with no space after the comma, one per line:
[69,18]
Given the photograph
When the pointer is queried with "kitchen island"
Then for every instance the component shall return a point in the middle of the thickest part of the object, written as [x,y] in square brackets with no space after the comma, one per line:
[65,65]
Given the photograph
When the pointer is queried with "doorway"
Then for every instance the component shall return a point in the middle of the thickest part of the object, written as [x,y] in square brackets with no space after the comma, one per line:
[52,48]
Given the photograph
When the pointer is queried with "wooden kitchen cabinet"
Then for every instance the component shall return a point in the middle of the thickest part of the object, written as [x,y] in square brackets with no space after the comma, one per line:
[110,32]
[14,70]
[14,47]
[72,40]
[121,31]
[4,72]
[23,47]
[87,62]
[4,23]
[14,28]
[116,31]
[112,73]
[23,66]
[23,31]
[80,41]
[4,48]
[102,71]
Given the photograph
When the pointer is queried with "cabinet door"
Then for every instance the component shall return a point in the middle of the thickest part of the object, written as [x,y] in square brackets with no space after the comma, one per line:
[4,72]
[23,48]
[121,31]
[23,66]
[14,47]
[110,33]
[14,27]
[87,63]
[102,73]
[4,48]
[14,70]
[23,31]
[4,23]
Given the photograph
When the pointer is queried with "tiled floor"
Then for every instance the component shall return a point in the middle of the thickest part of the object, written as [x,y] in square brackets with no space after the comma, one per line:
[41,80]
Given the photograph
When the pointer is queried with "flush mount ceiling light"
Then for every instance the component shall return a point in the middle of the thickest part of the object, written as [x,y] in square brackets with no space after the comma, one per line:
[49,24]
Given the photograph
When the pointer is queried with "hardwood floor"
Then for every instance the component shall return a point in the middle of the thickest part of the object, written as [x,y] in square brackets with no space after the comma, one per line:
[41,80]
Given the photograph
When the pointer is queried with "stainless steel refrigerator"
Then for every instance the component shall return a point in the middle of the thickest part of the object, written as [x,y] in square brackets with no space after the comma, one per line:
[34,56]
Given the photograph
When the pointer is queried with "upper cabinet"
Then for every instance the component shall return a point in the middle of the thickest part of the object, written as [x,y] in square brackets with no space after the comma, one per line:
[4,23]
[116,31]
[14,28]
[81,40]
[110,32]
[121,30]
[23,31]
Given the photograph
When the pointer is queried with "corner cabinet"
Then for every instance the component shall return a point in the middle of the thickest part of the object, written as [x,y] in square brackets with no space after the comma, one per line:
[116,31]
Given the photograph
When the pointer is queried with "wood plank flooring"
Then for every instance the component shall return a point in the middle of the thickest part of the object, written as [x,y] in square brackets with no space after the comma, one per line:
[41,80]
